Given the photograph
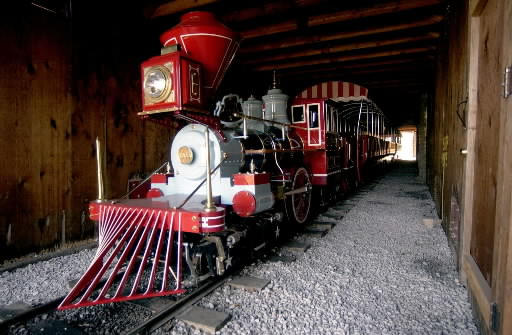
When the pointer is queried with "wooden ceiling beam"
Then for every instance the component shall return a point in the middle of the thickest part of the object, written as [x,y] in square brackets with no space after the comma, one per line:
[328,60]
[305,40]
[178,6]
[394,70]
[337,17]
[393,82]
[378,9]
[368,77]
[405,87]
[269,8]
[327,51]
[413,61]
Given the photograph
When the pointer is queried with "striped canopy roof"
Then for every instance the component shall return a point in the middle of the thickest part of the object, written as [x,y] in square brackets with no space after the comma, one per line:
[333,89]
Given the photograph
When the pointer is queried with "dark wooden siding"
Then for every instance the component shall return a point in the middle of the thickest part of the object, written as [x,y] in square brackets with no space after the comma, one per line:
[447,121]
[62,83]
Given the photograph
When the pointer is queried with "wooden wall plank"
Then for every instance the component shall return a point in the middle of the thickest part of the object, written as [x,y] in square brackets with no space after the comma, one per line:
[10,59]
[488,136]
[61,91]
[469,172]
[502,286]
[38,102]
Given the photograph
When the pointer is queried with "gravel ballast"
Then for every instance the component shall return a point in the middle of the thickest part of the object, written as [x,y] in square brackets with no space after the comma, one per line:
[43,281]
[379,271]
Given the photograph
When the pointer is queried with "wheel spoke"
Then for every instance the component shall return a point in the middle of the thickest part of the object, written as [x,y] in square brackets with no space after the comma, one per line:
[300,195]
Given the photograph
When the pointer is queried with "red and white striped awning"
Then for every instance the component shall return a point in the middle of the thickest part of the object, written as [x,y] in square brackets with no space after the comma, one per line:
[333,89]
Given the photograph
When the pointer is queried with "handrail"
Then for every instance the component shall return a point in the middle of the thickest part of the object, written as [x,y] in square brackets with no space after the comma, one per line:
[201,184]
[145,180]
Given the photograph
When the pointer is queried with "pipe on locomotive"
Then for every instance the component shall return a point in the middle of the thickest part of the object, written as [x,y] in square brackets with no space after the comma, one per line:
[209,207]
[99,161]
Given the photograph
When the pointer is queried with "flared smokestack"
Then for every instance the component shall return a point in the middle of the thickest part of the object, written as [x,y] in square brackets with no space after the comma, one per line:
[207,41]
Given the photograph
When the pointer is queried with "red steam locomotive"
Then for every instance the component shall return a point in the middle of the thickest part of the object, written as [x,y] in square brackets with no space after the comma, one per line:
[235,179]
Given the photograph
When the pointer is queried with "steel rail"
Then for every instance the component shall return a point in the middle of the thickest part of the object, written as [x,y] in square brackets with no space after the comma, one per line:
[48,307]
[169,313]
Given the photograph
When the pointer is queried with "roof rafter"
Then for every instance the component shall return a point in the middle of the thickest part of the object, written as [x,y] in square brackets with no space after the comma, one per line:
[340,16]
[327,60]
[302,40]
[329,50]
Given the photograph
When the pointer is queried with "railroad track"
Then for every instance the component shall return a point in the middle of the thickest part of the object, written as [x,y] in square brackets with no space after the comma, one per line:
[160,310]
[29,314]
[164,311]
[169,313]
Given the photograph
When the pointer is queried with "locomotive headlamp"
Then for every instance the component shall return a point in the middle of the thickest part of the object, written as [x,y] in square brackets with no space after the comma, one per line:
[157,83]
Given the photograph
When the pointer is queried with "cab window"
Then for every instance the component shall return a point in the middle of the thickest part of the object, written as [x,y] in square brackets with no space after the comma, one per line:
[298,113]
[314,115]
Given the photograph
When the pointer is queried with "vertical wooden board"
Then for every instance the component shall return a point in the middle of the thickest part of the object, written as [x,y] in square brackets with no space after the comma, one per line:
[125,130]
[87,123]
[469,171]
[49,106]
[27,187]
[503,254]
[108,99]
[157,141]
[487,139]
[10,59]
[456,83]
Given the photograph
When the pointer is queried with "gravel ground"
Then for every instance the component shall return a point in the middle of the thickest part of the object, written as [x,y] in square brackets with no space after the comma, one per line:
[379,271]
[97,320]
[43,281]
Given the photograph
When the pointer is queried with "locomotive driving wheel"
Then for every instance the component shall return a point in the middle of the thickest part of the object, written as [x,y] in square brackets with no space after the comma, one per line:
[298,199]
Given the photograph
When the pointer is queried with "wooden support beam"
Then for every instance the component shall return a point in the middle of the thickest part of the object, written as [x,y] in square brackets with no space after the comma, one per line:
[378,9]
[382,74]
[329,60]
[392,70]
[341,16]
[177,6]
[402,73]
[369,84]
[305,40]
[479,288]
[390,82]
[265,9]
[270,29]
[328,51]
[414,61]
[476,7]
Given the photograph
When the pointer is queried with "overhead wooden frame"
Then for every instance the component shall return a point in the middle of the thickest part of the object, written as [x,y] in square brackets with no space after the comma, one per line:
[301,40]
[177,6]
[340,59]
[337,17]
[330,50]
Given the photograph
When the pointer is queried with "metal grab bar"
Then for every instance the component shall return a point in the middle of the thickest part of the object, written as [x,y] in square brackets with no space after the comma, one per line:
[201,184]
[145,180]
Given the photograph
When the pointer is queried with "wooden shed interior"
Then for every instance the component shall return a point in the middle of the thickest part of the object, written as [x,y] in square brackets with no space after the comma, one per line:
[70,73]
